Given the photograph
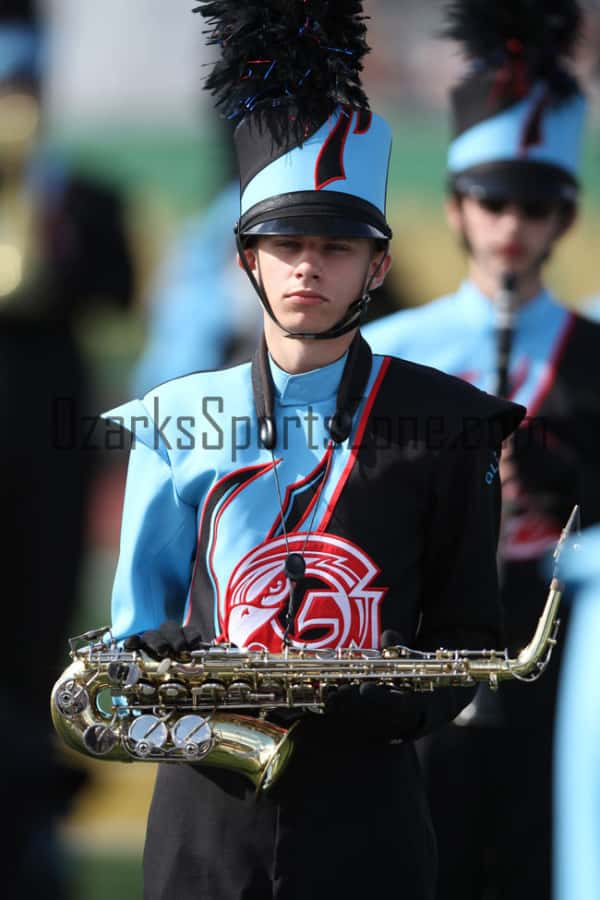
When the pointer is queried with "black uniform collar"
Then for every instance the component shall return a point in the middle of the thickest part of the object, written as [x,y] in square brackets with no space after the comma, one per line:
[350,391]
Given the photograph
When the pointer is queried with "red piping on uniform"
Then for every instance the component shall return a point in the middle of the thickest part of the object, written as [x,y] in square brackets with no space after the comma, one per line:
[551,371]
[294,487]
[240,487]
[356,443]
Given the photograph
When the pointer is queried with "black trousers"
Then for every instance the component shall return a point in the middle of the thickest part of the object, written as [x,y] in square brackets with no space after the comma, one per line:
[340,823]
[491,802]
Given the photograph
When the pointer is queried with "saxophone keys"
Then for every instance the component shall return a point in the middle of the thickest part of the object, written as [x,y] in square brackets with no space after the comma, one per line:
[71,699]
[145,690]
[172,692]
[301,694]
[239,692]
[99,739]
[124,675]
[193,736]
[212,693]
[147,734]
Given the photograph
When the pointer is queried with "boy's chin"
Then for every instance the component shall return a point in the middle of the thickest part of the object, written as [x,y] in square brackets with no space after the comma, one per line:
[306,322]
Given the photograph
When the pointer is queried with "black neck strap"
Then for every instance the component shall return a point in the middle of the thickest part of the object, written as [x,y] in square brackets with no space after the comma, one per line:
[350,320]
[353,383]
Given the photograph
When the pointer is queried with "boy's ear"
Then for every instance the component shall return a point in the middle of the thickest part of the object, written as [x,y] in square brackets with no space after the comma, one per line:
[383,270]
[250,255]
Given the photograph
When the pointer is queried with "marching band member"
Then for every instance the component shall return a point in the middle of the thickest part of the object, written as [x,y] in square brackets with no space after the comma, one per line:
[577,743]
[512,194]
[319,497]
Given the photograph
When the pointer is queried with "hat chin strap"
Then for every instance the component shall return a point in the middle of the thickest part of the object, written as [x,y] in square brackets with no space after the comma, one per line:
[349,321]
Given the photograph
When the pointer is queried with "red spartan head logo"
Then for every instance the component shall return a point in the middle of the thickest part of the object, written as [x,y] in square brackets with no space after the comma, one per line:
[339,606]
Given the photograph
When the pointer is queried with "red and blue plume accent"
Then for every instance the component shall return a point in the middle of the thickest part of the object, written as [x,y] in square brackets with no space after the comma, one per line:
[298,56]
[527,40]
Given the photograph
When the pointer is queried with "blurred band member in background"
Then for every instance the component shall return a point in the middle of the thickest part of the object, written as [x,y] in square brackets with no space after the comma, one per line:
[62,247]
[512,194]
[577,746]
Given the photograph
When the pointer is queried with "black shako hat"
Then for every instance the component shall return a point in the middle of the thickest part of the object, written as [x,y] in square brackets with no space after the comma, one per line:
[518,115]
[313,158]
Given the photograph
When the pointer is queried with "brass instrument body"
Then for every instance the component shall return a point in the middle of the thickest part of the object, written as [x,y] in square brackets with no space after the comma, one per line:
[126,706]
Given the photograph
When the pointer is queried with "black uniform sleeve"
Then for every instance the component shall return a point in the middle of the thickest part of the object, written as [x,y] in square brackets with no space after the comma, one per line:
[460,605]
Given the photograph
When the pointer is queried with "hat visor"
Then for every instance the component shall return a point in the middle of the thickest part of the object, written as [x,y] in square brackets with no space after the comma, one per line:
[330,213]
[516,180]
[315,226]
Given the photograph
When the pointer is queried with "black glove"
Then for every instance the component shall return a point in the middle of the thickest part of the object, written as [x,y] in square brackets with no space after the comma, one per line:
[169,639]
[383,712]
[377,710]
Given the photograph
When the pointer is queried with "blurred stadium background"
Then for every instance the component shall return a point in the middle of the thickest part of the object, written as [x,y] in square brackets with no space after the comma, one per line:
[124,106]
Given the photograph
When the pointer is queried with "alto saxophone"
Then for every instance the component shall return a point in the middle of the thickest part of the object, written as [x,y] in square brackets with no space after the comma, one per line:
[123,705]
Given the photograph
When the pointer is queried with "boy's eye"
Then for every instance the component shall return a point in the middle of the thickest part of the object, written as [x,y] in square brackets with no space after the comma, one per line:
[338,247]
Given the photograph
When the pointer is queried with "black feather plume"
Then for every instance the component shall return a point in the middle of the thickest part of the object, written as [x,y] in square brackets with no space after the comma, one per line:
[538,35]
[299,56]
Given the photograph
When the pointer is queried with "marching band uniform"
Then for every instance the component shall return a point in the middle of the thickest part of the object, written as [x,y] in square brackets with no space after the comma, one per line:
[517,135]
[65,237]
[402,530]
[380,473]
[577,765]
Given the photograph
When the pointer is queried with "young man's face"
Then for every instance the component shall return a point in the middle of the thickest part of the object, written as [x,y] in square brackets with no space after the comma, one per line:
[505,236]
[311,281]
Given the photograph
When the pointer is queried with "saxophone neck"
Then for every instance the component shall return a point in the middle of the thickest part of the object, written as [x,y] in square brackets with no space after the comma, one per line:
[536,651]
[533,658]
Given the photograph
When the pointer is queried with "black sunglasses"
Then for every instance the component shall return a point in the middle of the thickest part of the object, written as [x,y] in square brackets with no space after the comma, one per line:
[535,209]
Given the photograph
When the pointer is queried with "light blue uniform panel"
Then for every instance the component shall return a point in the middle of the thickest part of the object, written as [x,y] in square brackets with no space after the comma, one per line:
[577,760]
[591,309]
[191,433]
[20,49]
[295,171]
[457,335]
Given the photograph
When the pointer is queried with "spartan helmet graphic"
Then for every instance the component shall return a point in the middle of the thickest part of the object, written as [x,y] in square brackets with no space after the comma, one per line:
[338,606]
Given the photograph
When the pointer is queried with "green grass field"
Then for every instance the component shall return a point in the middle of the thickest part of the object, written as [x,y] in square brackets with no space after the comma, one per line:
[105,877]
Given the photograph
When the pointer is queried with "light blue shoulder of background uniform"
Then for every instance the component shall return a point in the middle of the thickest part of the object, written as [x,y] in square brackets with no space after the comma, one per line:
[591,308]
[500,137]
[582,564]
[19,49]
[295,171]
[192,312]
[577,732]
[404,332]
